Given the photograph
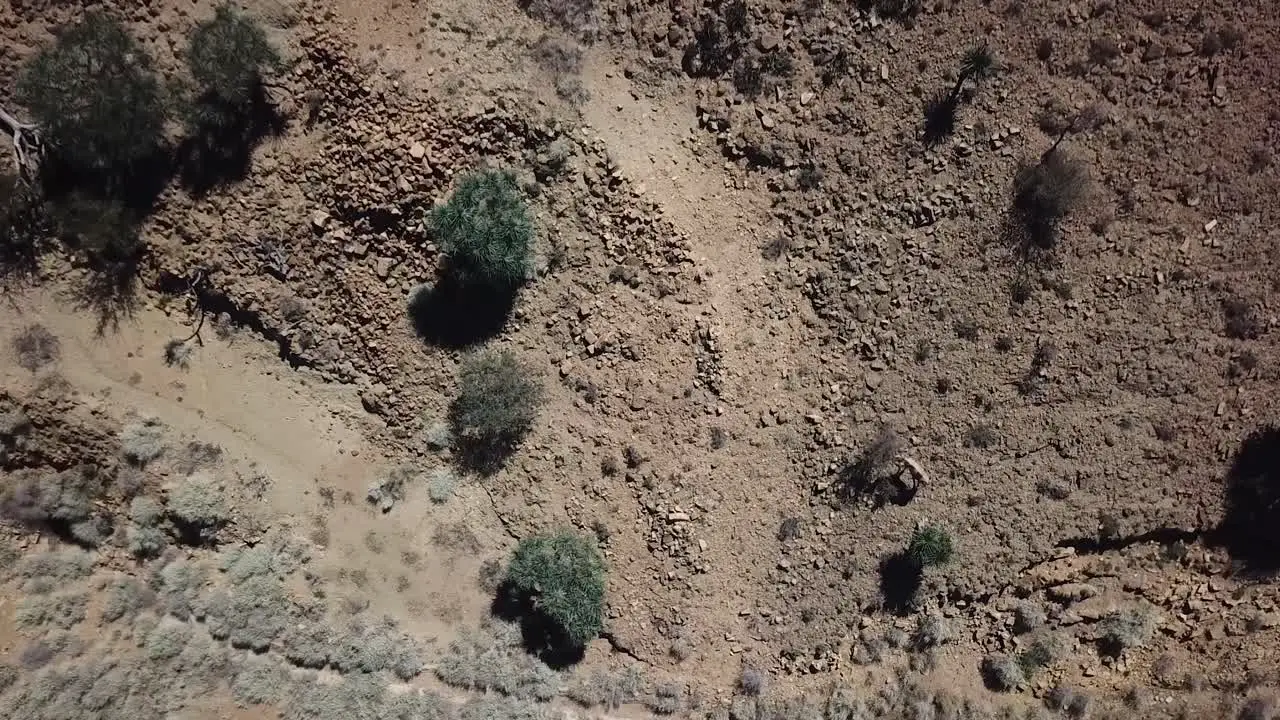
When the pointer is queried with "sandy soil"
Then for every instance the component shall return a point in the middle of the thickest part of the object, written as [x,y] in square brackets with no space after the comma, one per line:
[788,273]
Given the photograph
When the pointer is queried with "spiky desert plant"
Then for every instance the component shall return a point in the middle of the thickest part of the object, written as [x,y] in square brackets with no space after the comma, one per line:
[485,231]
[229,57]
[930,546]
[562,575]
[96,100]
[978,63]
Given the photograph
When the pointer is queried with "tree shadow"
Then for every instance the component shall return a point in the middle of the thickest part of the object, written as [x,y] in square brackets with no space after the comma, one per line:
[900,580]
[24,227]
[456,316]
[219,149]
[483,455]
[111,293]
[136,188]
[1250,527]
[940,117]
[540,635]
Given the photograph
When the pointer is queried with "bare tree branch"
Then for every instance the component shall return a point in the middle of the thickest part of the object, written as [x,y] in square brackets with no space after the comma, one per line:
[28,146]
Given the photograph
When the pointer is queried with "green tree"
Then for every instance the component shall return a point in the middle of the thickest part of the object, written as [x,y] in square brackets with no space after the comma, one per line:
[96,100]
[930,546]
[485,231]
[562,575]
[229,57]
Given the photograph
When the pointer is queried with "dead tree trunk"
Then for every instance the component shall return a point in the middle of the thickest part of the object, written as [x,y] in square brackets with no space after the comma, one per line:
[28,147]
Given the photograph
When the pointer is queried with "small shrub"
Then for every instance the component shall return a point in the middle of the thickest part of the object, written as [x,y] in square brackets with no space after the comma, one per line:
[1002,673]
[441,486]
[611,690]
[307,645]
[389,490]
[1043,650]
[168,639]
[491,575]
[967,329]
[95,97]
[1126,629]
[983,435]
[147,542]
[1044,194]
[60,502]
[38,654]
[259,681]
[60,567]
[143,441]
[751,682]
[561,576]
[576,17]
[35,347]
[863,474]
[438,436]
[497,403]
[665,699]
[492,661]
[250,615]
[1027,617]
[1240,320]
[502,708]
[8,676]
[65,610]
[931,631]
[198,507]
[719,438]
[485,231]
[930,546]
[178,584]
[1068,701]
[370,648]
[125,598]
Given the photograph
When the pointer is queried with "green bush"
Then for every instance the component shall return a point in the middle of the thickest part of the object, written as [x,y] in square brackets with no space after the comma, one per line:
[930,546]
[229,56]
[96,99]
[563,576]
[485,231]
[497,403]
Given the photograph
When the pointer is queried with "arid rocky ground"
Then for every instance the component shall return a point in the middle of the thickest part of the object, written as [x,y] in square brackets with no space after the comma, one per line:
[747,271]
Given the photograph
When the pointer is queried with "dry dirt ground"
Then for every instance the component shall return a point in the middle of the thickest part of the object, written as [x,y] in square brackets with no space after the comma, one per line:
[736,294]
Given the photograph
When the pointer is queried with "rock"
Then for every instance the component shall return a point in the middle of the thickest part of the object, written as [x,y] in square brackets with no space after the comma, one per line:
[1154,51]
[371,399]
[382,266]
[14,422]
[417,151]
[806,98]
[767,121]
[1071,592]
[319,219]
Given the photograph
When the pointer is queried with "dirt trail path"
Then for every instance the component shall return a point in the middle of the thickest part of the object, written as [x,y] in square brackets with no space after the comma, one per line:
[303,435]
